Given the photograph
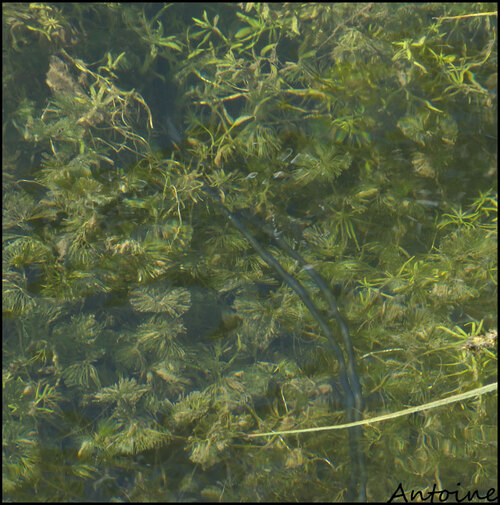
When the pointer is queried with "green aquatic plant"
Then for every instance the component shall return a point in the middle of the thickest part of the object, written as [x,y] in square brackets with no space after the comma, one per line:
[146,337]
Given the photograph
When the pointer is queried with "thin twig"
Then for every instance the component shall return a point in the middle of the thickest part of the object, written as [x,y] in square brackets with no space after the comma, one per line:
[493,13]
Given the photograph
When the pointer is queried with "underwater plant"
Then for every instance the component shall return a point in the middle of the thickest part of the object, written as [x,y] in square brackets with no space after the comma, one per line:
[239,219]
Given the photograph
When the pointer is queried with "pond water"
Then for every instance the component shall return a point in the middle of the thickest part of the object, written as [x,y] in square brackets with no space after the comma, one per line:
[227,226]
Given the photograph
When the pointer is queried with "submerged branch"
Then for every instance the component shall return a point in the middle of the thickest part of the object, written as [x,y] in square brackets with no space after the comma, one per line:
[353,400]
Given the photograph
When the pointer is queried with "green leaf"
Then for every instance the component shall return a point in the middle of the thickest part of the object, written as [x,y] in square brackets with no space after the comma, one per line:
[243,32]
[172,301]
[242,119]
[170,44]
[268,48]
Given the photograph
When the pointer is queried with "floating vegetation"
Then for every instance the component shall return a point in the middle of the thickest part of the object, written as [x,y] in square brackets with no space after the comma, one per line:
[230,228]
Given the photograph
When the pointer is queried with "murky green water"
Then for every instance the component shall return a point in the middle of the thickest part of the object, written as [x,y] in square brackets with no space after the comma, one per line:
[173,174]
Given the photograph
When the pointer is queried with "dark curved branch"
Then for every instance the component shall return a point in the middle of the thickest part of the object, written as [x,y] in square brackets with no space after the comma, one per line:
[332,303]
[352,399]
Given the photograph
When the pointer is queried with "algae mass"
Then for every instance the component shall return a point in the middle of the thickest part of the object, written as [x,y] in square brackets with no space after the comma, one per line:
[159,161]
